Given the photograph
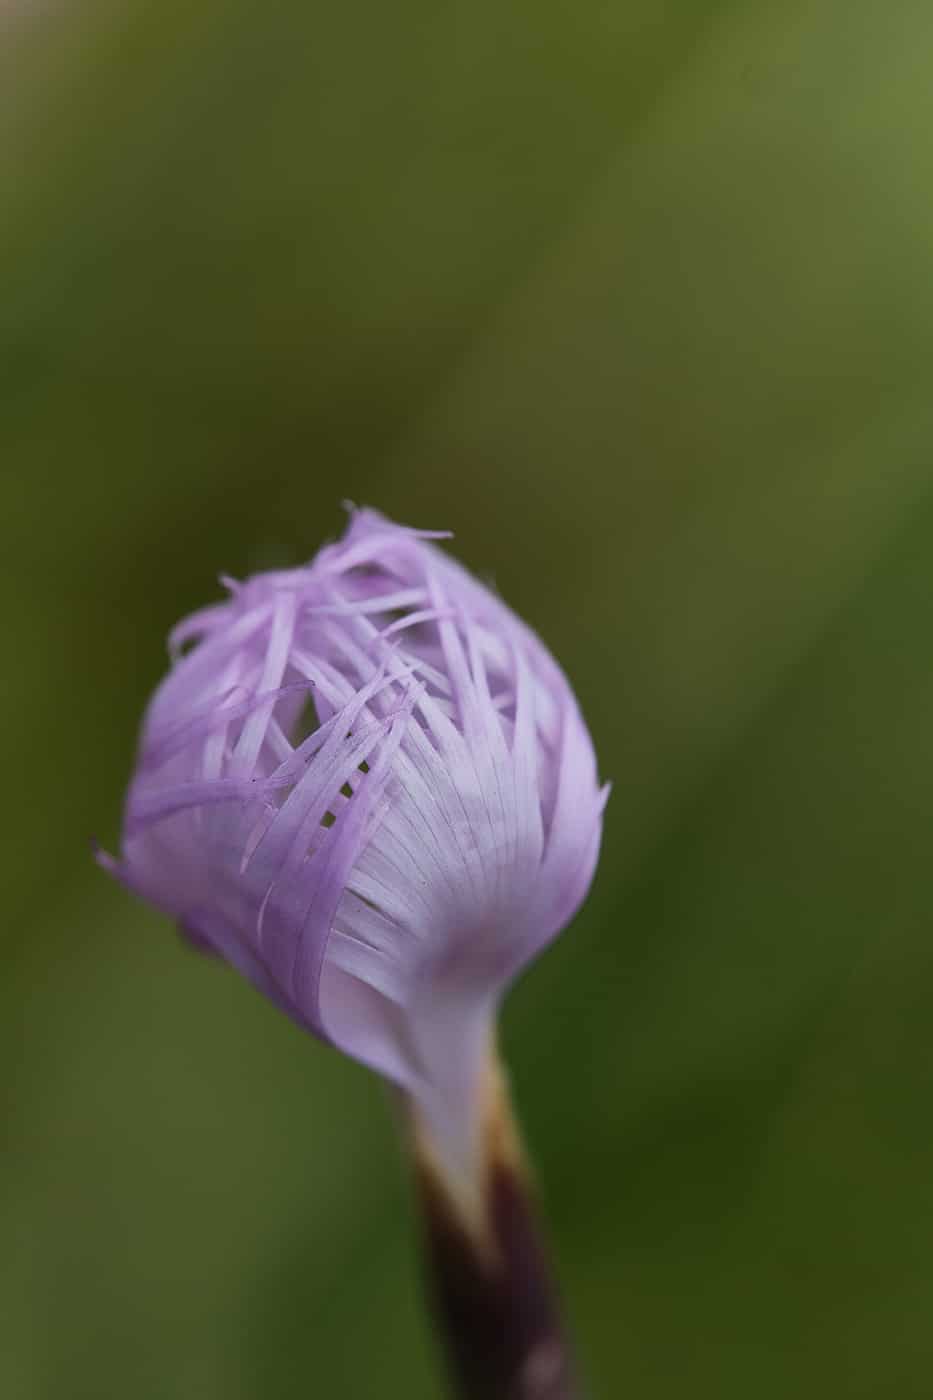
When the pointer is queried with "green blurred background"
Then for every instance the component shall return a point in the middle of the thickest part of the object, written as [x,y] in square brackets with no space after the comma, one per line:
[636,298]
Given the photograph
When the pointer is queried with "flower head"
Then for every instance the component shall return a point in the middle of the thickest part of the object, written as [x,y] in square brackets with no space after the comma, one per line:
[368,786]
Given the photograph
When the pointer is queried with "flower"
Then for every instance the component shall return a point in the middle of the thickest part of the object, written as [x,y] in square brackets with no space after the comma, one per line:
[368,786]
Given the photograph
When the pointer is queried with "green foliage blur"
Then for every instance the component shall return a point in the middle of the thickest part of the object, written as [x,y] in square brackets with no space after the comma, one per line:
[638,299]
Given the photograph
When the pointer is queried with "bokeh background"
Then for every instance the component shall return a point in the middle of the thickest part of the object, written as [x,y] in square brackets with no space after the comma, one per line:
[638,299]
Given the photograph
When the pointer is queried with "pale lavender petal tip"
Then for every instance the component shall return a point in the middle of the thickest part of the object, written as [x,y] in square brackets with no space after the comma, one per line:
[367,785]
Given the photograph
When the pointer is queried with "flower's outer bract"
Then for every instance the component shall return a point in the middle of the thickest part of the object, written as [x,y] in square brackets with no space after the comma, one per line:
[367,785]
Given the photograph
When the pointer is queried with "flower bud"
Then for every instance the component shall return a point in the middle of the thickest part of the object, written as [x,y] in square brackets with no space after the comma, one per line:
[368,786]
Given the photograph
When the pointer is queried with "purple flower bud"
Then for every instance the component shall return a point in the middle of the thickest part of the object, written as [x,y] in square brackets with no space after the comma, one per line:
[368,786]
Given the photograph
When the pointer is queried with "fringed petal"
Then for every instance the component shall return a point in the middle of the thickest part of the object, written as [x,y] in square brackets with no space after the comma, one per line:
[367,785]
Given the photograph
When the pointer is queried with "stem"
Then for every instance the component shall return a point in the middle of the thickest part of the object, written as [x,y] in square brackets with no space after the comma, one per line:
[490,1286]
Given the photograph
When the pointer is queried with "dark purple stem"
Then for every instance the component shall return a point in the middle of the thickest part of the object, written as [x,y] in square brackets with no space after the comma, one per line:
[491,1287]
